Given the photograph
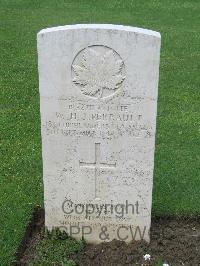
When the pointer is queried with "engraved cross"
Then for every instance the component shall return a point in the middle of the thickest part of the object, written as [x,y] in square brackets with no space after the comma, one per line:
[97,165]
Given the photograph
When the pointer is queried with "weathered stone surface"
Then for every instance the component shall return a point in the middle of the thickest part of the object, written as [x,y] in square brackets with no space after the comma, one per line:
[98,93]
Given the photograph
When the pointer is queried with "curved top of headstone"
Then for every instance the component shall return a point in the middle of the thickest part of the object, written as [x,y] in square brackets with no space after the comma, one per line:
[101,26]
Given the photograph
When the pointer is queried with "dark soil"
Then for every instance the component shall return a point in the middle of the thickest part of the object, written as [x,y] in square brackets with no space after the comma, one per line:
[174,240]
[32,233]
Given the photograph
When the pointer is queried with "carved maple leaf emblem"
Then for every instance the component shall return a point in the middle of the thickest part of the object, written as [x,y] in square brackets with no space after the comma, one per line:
[96,72]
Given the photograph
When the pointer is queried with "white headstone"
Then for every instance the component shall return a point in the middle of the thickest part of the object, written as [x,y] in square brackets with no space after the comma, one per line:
[98,94]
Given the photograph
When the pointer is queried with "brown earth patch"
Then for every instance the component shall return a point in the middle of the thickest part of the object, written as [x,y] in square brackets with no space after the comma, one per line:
[32,233]
[174,240]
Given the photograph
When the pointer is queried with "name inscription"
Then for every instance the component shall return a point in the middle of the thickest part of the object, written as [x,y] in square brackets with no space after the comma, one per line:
[106,121]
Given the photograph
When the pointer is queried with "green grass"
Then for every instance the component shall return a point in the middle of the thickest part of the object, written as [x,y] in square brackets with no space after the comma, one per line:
[177,161]
[55,248]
